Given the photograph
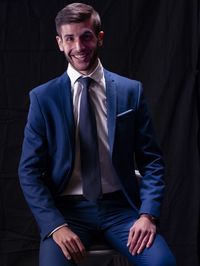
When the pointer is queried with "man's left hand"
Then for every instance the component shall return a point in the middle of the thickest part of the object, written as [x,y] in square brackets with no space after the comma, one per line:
[141,235]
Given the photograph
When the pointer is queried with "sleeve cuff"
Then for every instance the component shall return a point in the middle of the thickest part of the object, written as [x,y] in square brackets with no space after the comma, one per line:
[49,235]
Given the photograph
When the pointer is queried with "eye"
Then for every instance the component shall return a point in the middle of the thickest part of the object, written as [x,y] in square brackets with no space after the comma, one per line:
[87,36]
[69,38]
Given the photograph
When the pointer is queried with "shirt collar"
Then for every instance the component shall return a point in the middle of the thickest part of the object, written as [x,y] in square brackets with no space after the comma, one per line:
[96,75]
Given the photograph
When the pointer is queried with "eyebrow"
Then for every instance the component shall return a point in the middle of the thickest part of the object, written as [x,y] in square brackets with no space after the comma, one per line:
[85,32]
[68,35]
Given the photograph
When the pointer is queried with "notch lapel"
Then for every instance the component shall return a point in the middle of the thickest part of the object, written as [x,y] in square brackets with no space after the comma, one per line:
[111,95]
[67,106]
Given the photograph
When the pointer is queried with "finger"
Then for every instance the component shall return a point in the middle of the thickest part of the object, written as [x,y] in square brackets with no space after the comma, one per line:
[67,241]
[134,241]
[130,236]
[65,251]
[81,247]
[74,253]
[65,247]
[143,244]
[78,246]
[79,251]
[151,239]
[134,248]
[76,257]
[73,250]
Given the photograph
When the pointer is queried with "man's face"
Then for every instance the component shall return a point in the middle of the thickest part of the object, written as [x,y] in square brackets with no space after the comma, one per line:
[80,44]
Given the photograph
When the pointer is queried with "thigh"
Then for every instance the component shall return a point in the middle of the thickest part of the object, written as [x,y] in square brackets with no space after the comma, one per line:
[51,254]
[79,216]
[158,254]
[117,217]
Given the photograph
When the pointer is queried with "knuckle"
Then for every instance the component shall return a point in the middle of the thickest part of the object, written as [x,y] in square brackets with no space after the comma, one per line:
[82,249]
[71,238]
[75,238]
[73,251]
[65,243]
[145,231]
[137,229]
[67,240]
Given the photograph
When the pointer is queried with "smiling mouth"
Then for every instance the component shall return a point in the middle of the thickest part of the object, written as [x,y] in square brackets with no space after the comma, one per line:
[80,57]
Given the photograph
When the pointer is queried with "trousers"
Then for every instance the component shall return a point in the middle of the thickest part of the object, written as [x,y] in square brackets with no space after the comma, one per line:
[111,216]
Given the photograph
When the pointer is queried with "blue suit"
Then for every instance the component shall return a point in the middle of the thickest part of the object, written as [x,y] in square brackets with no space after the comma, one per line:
[48,149]
[49,145]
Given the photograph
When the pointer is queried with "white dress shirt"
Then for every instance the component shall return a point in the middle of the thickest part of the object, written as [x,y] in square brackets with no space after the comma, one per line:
[97,89]
[97,92]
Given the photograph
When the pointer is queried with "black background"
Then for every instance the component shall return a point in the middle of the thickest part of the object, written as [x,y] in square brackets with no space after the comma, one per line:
[153,41]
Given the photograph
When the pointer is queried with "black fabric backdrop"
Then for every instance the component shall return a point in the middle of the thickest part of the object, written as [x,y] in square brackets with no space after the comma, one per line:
[153,41]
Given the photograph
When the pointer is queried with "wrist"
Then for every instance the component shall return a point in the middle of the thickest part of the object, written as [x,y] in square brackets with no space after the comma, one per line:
[150,217]
[57,228]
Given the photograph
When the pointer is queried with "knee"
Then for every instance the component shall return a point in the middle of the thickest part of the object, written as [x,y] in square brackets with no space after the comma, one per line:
[51,254]
[165,260]
[161,254]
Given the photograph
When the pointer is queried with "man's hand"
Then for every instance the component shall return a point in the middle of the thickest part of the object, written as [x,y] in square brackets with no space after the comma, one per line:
[141,235]
[70,244]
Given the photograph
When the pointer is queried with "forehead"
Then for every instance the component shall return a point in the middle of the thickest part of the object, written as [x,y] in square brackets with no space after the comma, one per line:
[77,28]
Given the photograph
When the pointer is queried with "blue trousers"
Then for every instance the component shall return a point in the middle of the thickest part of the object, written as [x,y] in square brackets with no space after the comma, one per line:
[111,216]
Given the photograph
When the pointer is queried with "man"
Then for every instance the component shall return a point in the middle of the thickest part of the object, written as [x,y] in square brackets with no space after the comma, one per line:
[77,163]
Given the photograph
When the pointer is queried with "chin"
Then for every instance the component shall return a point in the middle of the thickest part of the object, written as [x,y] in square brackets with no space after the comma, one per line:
[82,69]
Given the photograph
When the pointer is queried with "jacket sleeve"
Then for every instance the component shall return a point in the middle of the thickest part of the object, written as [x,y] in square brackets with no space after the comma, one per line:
[149,161]
[32,169]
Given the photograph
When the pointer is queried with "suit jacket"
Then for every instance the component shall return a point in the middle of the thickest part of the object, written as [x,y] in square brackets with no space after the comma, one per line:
[48,149]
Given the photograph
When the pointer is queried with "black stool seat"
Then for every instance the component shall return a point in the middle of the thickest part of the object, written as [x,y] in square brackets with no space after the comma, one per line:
[101,247]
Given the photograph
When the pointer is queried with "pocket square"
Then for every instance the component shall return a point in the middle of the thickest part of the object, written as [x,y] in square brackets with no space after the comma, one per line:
[125,113]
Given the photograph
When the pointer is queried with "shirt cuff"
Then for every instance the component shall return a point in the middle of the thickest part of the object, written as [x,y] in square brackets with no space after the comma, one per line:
[63,225]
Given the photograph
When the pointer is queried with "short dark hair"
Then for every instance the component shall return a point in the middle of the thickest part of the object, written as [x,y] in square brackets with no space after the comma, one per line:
[76,13]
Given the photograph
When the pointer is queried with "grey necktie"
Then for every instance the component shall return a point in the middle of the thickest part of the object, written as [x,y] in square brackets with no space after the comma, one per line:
[90,165]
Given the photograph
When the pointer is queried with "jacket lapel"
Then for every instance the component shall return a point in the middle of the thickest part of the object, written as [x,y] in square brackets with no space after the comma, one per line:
[111,94]
[67,106]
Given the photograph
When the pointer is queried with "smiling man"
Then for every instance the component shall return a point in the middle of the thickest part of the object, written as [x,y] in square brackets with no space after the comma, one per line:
[84,130]
[80,44]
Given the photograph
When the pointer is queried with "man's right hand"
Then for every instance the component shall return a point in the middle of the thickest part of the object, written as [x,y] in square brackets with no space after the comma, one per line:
[70,243]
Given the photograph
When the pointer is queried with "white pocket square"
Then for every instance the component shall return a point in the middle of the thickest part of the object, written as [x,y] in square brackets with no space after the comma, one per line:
[125,113]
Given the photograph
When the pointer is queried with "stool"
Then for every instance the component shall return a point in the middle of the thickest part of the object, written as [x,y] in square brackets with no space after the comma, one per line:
[101,254]
[102,249]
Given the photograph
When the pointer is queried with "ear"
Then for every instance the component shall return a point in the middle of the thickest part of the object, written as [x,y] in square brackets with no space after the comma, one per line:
[100,38]
[60,43]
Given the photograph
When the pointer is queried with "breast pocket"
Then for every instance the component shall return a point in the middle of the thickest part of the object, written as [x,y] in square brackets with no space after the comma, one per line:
[125,132]
[125,114]
[125,122]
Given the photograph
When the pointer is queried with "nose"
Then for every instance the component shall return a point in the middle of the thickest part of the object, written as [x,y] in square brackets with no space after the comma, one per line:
[79,45]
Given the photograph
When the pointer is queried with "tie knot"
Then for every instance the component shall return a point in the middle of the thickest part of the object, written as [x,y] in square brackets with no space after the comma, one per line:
[85,81]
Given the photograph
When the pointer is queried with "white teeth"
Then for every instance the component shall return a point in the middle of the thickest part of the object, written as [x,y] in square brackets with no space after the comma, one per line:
[79,56]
